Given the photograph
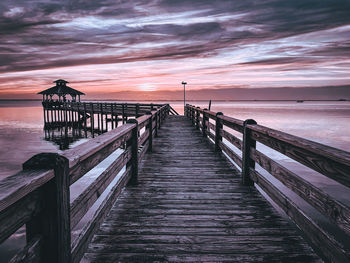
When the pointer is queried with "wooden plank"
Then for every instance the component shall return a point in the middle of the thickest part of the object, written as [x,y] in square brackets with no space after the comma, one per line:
[232,123]
[211,126]
[327,245]
[87,198]
[53,221]
[19,213]
[237,159]
[87,155]
[189,201]
[248,144]
[333,209]
[30,253]
[143,151]
[142,121]
[143,137]
[12,189]
[331,162]
[80,244]
[232,139]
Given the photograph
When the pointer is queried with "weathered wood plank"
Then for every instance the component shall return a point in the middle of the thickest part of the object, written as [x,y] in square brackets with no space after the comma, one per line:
[336,211]
[326,160]
[12,189]
[19,213]
[232,139]
[189,201]
[30,253]
[80,244]
[329,247]
[87,198]
[237,159]
[87,155]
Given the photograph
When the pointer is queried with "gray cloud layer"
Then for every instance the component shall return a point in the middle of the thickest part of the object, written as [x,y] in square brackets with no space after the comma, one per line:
[43,34]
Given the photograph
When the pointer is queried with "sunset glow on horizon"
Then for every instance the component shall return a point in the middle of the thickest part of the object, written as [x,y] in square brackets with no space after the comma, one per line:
[105,47]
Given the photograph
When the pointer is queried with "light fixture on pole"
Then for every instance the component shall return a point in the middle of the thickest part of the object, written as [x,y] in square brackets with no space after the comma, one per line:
[184,83]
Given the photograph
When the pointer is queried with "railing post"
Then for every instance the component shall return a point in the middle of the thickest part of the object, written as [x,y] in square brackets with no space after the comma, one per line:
[159,118]
[197,118]
[186,111]
[137,109]
[204,124]
[247,162]
[156,122]
[192,116]
[219,126]
[133,142]
[53,222]
[149,127]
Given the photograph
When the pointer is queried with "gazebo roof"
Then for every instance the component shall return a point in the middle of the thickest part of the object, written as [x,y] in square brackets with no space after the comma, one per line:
[61,90]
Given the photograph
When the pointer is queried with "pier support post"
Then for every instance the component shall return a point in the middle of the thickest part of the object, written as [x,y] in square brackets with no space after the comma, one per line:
[53,223]
[197,118]
[204,124]
[149,127]
[134,161]
[218,128]
[156,122]
[247,162]
[137,109]
[92,120]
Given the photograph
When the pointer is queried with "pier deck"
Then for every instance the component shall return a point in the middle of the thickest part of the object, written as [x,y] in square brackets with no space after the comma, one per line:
[189,206]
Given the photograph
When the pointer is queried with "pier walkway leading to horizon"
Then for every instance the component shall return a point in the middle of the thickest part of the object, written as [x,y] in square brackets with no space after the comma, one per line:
[189,206]
[177,188]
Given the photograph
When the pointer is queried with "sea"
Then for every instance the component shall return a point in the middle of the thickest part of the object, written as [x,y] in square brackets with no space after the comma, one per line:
[327,122]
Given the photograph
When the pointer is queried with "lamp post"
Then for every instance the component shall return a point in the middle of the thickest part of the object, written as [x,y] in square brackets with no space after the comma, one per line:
[184,83]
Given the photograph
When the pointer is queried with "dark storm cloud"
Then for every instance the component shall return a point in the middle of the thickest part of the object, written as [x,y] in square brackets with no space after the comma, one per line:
[31,36]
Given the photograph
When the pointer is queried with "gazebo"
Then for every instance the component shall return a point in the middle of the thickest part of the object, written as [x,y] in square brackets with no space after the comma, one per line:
[61,90]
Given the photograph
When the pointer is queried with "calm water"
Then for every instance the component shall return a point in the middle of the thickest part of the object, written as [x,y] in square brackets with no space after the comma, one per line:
[22,135]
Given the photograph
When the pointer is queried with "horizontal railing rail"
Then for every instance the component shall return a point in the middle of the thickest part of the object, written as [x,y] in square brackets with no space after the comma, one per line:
[329,161]
[39,195]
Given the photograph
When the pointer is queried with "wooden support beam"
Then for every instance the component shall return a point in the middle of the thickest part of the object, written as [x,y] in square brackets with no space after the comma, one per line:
[204,124]
[248,162]
[150,129]
[133,142]
[218,128]
[53,222]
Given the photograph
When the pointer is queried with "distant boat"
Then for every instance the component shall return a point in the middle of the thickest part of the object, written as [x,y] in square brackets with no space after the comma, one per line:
[300,101]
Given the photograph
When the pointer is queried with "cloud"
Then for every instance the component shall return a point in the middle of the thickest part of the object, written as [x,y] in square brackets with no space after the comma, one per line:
[291,35]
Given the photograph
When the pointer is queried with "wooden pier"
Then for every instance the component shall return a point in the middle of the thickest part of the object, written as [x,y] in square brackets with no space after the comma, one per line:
[176,196]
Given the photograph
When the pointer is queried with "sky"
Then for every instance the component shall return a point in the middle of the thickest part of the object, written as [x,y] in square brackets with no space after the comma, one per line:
[107,46]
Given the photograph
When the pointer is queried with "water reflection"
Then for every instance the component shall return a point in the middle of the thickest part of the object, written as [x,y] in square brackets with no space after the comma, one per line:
[64,136]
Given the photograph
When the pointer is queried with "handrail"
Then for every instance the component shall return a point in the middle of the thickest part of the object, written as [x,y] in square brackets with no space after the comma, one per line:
[329,161]
[39,197]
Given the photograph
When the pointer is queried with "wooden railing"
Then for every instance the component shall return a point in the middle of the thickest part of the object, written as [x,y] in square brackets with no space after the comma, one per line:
[331,162]
[39,195]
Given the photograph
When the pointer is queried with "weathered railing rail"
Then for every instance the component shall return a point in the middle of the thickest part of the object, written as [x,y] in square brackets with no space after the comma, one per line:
[331,162]
[94,116]
[39,195]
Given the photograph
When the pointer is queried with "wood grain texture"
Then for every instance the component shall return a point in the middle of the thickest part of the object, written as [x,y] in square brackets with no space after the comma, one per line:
[234,156]
[19,213]
[326,160]
[232,139]
[87,155]
[333,209]
[30,253]
[80,244]
[12,189]
[189,206]
[87,198]
[331,249]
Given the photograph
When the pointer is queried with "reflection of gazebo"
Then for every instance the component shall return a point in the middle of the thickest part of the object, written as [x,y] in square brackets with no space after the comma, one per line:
[61,90]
